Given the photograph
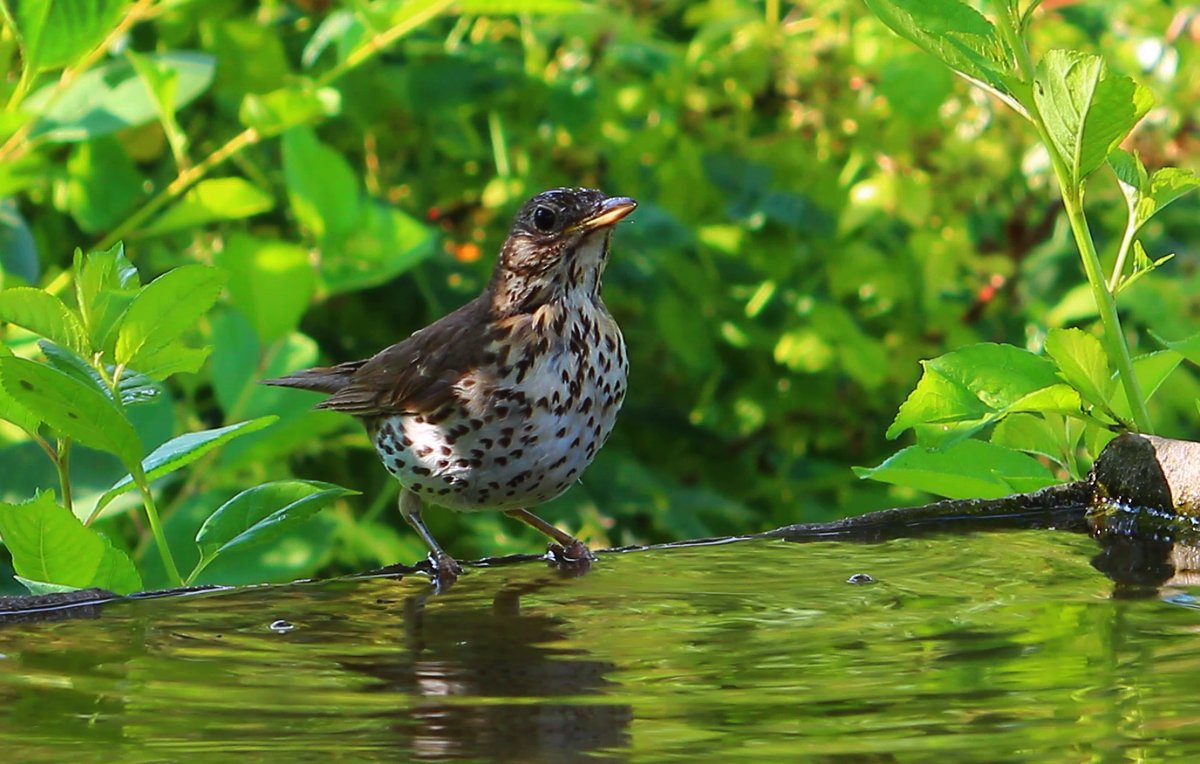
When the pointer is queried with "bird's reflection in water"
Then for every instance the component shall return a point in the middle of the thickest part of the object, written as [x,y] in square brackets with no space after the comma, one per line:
[497,683]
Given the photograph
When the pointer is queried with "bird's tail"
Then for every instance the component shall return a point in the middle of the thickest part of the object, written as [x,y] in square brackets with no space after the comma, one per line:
[322,379]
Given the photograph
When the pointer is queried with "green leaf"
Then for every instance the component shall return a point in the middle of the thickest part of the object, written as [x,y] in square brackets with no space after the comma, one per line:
[57,33]
[1152,370]
[163,83]
[966,470]
[12,411]
[270,281]
[952,31]
[103,184]
[18,250]
[1033,434]
[387,243]
[262,513]
[133,387]
[105,284]
[112,97]
[1087,111]
[342,28]
[1083,363]
[321,186]
[288,107]
[49,544]
[164,309]
[1188,347]
[43,314]
[175,358]
[1146,195]
[181,451]
[965,390]
[76,409]
[209,201]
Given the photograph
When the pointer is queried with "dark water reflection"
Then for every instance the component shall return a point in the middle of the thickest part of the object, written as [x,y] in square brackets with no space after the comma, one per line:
[996,647]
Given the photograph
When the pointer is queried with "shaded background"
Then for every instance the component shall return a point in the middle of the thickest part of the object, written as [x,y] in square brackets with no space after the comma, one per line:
[822,205]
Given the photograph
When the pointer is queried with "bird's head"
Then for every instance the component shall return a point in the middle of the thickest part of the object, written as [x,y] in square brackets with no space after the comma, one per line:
[557,247]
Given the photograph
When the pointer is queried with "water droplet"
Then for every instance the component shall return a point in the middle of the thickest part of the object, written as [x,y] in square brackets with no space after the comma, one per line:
[281,626]
[860,578]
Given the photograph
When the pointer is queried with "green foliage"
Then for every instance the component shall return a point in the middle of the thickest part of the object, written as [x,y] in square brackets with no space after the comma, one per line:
[1082,113]
[821,204]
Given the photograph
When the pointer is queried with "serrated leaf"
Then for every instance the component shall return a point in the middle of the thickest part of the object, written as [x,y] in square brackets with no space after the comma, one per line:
[952,31]
[1033,434]
[1165,186]
[262,513]
[112,97]
[164,309]
[49,544]
[105,284]
[210,201]
[1083,363]
[1087,110]
[75,409]
[43,314]
[173,359]
[181,451]
[969,469]
[133,387]
[321,186]
[965,390]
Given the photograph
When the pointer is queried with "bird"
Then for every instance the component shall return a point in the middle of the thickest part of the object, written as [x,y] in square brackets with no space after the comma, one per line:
[502,404]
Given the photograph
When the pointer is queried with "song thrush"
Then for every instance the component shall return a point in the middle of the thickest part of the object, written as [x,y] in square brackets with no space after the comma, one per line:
[502,404]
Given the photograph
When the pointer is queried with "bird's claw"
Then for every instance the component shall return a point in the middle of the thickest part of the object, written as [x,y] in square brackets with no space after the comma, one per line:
[574,554]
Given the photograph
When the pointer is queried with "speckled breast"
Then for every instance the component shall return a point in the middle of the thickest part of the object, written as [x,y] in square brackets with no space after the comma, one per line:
[523,427]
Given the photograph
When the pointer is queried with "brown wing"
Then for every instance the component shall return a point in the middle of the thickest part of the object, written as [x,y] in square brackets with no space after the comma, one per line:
[416,376]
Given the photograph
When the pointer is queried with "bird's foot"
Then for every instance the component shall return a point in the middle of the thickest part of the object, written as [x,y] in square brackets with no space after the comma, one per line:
[575,554]
[444,570]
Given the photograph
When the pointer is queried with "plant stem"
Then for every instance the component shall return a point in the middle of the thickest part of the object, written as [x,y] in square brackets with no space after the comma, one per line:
[249,137]
[62,462]
[16,145]
[1072,196]
[160,538]
[1118,270]
[201,564]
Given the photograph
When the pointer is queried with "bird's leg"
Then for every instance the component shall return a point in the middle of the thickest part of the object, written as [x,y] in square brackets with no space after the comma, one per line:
[567,549]
[410,508]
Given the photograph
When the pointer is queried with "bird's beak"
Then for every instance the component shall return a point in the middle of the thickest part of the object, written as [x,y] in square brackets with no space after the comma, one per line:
[609,212]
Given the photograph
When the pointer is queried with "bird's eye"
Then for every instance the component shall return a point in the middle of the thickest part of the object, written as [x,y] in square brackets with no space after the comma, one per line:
[544,219]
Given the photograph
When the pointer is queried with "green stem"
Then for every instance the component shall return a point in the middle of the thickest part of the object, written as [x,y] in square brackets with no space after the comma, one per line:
[1072,196]
[62,462]
[1114,336]
[160,538]
[1118,270]
[201,564]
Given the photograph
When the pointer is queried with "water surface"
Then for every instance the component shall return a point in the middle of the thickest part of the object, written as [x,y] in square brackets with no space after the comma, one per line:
[998,647]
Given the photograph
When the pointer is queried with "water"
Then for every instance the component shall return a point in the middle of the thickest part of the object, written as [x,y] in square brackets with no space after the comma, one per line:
[997,647]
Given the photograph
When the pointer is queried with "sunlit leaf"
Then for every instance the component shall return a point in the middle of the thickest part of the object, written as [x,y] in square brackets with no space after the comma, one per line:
[133,387]
[1083,363]
[164,309]
[210,201]
[105,283]
[1152,370]
[10,409]
[181,451]
[386,243]
[260,514]
[270,281]
[49,544]
[44,314]
[1086,109]
[74,408]
[322,188]
[280,110]
[966,470]
[112,97]
[57,33]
